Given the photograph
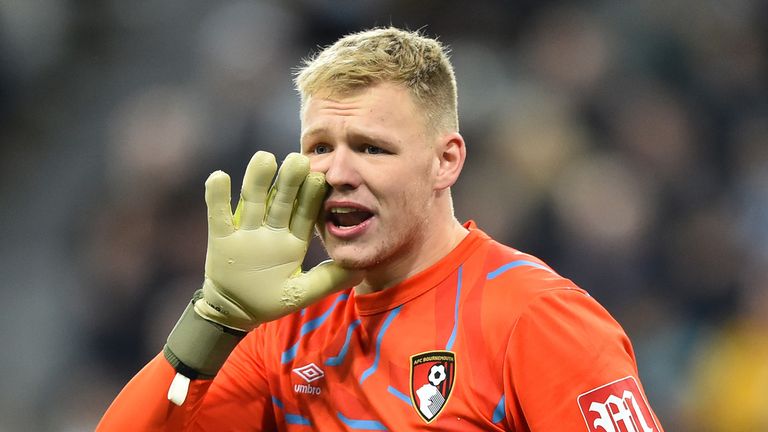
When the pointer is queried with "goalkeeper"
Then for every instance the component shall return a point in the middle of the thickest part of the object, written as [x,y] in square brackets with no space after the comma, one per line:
[418,322]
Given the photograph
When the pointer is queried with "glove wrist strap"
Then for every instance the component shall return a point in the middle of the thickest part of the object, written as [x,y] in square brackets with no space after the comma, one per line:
[196,347]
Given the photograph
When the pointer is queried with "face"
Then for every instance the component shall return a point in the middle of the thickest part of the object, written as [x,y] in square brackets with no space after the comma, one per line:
[374,149]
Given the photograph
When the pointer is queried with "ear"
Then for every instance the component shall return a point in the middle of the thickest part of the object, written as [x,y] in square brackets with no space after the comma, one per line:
[451,153]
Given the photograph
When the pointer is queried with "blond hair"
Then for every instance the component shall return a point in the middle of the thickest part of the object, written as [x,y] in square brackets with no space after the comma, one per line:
[392,55]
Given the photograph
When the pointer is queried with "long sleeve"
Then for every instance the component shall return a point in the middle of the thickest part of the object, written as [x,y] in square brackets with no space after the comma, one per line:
[236,399]
[143,405]
[570,366]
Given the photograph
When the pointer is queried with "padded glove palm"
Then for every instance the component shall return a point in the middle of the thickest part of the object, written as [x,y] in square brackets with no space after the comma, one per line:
[253,262]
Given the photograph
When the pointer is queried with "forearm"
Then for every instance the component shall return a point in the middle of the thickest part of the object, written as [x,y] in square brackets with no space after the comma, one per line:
[143,403]
[167,393]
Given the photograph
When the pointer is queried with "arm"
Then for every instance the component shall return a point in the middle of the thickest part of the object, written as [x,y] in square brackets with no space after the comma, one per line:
[252,275]
[236,399]
[571,367]
[143,404]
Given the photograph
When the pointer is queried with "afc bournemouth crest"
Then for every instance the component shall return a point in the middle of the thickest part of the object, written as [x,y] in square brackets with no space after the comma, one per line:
[432,376]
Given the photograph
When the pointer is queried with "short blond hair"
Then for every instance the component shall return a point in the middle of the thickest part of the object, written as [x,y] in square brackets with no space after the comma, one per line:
[388,54]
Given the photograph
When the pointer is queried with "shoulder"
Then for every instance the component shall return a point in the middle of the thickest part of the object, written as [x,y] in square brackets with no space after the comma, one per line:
[538,294]
[503,287]
[513,279]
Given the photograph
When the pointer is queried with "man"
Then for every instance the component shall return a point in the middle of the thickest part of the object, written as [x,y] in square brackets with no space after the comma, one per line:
[417,323]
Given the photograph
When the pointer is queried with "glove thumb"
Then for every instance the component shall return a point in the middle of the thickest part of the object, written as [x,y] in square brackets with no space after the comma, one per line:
[324,279]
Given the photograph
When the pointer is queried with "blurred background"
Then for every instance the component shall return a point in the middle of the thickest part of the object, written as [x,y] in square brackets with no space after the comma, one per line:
[625,143]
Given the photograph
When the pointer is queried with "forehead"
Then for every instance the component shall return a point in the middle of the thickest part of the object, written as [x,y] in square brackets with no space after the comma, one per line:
[382,103]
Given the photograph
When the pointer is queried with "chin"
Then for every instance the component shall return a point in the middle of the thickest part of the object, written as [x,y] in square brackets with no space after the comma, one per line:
[354,257]
[353,262]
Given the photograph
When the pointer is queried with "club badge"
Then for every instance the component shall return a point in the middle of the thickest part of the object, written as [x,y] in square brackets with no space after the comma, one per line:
[432,376]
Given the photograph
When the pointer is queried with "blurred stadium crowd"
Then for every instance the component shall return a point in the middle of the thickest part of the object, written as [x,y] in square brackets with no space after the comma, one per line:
[626,143]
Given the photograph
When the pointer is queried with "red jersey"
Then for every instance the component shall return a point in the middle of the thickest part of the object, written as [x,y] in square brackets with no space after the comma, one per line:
[488,338]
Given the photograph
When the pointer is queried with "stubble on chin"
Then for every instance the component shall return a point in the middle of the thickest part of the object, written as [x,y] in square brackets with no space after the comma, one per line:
[353,264]
[352,258]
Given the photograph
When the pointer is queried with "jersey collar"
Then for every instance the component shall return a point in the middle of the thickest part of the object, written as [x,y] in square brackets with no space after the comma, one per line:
[418,284]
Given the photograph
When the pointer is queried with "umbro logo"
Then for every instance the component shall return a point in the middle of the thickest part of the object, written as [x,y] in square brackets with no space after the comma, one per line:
[309,373]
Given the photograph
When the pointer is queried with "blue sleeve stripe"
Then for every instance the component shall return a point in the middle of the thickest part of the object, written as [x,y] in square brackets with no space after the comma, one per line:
[317,322]
[368,372]
[499,413]
[335,361]
[297,420]
[452,339]
[499,271]
[290,353]
[276,402]
[361,424]
[400,395]
[291,418]
[308,326]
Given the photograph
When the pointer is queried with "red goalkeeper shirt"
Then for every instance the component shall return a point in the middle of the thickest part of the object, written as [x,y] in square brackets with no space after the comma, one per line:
[486,339]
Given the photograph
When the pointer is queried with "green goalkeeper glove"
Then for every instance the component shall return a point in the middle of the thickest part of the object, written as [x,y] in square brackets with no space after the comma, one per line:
[253,262]
[253,271]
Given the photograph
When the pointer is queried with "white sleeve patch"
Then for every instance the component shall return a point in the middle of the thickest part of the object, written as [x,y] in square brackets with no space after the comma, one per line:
[617,406]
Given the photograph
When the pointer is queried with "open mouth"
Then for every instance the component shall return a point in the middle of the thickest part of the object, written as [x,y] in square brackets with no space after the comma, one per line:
[347,217]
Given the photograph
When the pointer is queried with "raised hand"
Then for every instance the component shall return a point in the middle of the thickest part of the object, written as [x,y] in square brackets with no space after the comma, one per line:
[253,262]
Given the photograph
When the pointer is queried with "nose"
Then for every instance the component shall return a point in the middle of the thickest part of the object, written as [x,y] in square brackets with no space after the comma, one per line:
[340,169]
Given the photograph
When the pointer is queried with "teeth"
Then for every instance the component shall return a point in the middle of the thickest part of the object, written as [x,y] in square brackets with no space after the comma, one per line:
[343,210]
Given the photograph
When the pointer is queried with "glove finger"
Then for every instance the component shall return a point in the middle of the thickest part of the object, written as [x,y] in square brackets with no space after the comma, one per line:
[308,205]
[217,198]
[292,173]
[324,279]
[253,197]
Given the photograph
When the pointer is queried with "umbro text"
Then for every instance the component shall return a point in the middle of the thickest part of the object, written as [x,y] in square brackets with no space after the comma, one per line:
[307,389]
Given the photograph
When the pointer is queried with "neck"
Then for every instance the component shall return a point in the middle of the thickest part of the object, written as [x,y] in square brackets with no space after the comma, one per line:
[429,249]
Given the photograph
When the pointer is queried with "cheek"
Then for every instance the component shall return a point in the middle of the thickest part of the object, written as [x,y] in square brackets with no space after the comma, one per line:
[316,165]
[413,198]
[405,189]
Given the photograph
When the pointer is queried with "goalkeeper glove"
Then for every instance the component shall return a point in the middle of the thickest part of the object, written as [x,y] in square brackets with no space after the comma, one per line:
[253,262]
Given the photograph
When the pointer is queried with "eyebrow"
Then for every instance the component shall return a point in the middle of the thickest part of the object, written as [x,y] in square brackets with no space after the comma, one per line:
[311,132]
[354,135]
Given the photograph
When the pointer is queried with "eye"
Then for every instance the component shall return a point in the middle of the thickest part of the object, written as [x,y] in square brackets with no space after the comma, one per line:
[321,149]
[372,149]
